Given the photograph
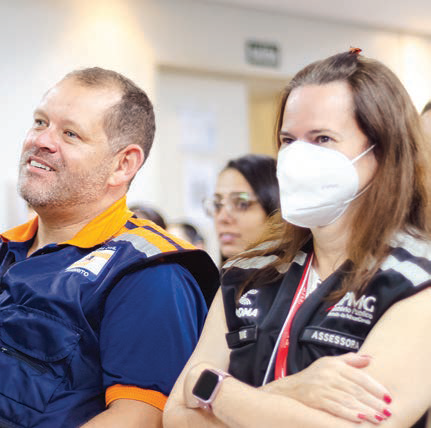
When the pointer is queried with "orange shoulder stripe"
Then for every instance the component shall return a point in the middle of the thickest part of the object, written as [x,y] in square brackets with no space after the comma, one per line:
[161,242]
[154,398]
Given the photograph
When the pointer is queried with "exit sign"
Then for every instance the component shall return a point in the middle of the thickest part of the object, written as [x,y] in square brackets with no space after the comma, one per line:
[262,53]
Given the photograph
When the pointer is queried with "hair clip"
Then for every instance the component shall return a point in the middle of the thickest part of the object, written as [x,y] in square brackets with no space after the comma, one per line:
[355,51]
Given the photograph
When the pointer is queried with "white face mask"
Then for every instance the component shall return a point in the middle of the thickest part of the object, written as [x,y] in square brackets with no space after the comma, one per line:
[317,184]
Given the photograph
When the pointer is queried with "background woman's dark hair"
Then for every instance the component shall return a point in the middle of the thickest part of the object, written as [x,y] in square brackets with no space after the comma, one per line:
[260,172]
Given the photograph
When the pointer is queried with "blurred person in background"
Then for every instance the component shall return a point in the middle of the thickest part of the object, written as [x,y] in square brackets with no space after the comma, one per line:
[426,120]
[149,213]
[188,232]
[246,195]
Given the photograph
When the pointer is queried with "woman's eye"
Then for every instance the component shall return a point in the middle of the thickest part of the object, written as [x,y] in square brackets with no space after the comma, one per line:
[323,139]
[286,140]
[242,204]
[217,206]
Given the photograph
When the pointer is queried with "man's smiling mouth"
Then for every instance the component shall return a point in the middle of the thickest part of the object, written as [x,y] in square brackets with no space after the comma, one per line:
[39,165]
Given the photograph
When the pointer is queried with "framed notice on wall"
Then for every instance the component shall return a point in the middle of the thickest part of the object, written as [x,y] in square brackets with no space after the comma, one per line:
[264,54]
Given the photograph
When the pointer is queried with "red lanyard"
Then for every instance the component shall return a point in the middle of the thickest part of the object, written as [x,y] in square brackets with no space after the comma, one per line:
[283,348]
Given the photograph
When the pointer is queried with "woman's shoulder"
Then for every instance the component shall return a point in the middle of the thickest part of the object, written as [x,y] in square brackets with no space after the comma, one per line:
[412,243]
[245,265]
[410,257]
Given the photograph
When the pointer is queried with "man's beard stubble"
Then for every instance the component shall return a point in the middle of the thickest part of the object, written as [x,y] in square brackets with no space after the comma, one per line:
[66,188]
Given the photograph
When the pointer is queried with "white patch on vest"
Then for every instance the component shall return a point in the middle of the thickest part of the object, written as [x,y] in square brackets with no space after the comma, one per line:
[242,335]
[300,258]
[415,246]
[359,310]
[246,312]
[335,339]
[245,300]
[257,262]
[93,262]
[413,272]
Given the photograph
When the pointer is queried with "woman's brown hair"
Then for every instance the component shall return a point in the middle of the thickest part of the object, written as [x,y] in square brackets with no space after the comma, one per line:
[396,199]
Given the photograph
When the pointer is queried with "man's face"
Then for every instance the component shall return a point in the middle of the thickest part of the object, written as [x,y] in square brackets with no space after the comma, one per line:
[426,123]
[66,158]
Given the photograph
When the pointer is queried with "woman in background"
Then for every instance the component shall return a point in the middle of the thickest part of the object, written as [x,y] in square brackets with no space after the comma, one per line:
[426,121]
[149,213]
[188,232]
[246,194]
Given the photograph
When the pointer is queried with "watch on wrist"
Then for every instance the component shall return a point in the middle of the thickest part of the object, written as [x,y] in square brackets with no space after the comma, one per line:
[207,386]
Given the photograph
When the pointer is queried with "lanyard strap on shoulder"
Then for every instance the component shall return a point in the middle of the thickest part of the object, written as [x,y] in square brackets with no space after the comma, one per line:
[283,348]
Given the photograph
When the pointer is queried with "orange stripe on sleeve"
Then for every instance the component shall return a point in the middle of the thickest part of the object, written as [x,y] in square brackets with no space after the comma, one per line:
[154,398]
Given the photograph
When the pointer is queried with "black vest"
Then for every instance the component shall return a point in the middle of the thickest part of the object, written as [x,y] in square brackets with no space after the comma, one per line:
[319,328]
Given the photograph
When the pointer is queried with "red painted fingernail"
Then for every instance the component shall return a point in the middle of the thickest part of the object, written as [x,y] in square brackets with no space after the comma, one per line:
[362,416]
[387,399]
[387,413]
[379,417]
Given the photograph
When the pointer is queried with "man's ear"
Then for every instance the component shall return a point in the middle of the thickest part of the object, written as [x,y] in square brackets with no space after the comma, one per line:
[126,164]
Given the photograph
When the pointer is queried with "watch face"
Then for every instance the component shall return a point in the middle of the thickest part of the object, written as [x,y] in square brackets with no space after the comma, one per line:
[205,385]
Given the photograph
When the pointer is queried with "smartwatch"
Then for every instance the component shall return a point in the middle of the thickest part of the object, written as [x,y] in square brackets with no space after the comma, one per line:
[207,386]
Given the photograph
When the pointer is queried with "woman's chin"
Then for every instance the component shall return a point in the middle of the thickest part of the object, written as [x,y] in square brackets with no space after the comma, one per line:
[229,251]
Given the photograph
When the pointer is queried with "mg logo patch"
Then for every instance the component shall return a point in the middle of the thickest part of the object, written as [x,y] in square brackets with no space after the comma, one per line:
[359,310]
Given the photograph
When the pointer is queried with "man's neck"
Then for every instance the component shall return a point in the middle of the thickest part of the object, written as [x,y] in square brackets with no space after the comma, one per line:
[60,225]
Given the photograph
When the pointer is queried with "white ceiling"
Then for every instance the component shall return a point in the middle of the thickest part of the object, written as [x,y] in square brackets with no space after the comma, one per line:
[413,16]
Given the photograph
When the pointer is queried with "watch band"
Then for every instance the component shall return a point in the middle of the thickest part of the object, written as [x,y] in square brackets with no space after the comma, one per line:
[207,387]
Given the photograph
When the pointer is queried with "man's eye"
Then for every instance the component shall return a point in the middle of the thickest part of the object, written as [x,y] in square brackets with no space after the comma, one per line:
[70,134]
[38,123]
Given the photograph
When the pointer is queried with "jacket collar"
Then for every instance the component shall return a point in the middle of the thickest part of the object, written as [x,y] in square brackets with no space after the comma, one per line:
[98,230]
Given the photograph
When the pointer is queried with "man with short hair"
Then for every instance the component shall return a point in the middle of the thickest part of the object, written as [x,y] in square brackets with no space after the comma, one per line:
[99,310]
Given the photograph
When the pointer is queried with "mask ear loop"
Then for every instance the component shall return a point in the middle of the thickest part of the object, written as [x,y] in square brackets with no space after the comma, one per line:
[369,184]
[363,153]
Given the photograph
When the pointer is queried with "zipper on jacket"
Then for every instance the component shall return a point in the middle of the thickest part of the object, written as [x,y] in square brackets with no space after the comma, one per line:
[24,358]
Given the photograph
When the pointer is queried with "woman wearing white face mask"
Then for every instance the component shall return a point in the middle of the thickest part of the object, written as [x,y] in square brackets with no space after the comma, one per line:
[346,277]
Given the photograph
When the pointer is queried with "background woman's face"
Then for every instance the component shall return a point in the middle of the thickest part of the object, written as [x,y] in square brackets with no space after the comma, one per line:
[236,229]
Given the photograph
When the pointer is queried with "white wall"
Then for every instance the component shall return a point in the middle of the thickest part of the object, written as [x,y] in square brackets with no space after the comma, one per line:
[212,36]
[204,125]
[205,36]
[41,40]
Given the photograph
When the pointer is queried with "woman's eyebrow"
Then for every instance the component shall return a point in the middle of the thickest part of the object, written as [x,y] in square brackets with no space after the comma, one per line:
[286,134]
[322,130]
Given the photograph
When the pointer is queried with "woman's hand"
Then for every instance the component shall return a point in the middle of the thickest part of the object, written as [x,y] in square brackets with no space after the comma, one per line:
[337,385]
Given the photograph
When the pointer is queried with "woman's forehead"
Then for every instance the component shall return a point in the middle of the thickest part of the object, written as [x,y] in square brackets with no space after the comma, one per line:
[231,180]
[318,106]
